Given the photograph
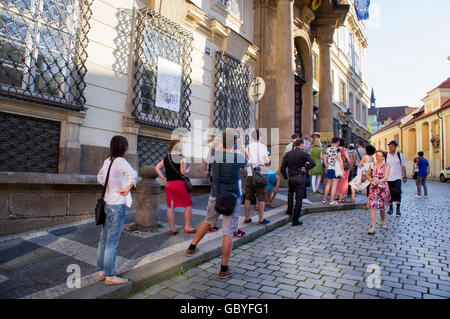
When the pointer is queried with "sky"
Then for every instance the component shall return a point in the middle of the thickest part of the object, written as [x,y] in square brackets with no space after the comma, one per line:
[408,49]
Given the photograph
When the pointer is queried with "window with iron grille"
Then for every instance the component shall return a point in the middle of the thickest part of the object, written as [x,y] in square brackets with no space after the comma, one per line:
[43,50]
[232,104]
[151,150]
[28,144]
[336,128]
[157,37]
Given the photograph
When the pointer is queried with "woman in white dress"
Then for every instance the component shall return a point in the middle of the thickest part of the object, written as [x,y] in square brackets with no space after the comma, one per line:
[360,182]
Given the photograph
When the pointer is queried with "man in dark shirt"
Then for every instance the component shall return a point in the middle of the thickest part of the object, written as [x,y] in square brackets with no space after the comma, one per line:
[225,172]
[297,163]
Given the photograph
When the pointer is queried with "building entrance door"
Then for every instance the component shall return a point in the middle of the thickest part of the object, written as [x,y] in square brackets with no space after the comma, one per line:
[298,105]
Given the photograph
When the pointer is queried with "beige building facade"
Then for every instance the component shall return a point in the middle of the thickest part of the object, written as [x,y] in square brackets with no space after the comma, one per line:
[426,130]
[73,75]
[91,71]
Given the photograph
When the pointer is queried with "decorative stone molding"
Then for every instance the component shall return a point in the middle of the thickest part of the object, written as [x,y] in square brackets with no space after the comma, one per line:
[198,21]
[324,34]
[264,4]
[307,15]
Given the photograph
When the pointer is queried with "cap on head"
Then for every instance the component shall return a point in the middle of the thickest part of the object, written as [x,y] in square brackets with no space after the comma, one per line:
[393,143]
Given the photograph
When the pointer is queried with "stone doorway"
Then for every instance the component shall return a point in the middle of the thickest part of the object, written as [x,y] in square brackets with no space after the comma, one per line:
[298,105]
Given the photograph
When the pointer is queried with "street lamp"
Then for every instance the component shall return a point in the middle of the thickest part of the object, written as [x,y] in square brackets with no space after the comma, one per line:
[315,111]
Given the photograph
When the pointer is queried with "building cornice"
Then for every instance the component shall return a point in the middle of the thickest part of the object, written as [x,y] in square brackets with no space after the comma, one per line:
[197,20]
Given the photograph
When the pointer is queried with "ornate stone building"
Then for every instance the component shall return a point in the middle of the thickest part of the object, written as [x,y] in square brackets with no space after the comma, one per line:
[307,52]
[74,74]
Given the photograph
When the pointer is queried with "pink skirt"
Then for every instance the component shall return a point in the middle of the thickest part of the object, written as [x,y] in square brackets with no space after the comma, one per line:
[343,183]
[176,192]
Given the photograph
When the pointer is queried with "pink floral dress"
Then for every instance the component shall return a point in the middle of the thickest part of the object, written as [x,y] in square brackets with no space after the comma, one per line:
[379,194]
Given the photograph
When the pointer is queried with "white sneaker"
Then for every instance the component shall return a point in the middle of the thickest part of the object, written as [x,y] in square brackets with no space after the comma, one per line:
[426,196]
[418,196]
[306,201]
[333,203]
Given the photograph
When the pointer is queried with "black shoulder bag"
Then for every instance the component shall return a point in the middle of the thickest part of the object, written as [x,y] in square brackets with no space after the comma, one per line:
[259,179]
[225,201]
[100,214]
[187,181]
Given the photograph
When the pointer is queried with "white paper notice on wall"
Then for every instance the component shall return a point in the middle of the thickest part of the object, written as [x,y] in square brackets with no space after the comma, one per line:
[168,85]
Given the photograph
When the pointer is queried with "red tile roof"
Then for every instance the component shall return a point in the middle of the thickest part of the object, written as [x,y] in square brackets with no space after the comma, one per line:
[443,85]
[392,124]
[415,116]
[422,115]
[393,112]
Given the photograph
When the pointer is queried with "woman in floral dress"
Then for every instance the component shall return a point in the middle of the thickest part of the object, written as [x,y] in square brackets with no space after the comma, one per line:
[379,195]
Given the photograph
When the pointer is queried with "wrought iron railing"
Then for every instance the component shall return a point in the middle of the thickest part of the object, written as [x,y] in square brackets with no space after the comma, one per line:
[232,104]
[159,38]
[151,150]
[43,51]
[28,144]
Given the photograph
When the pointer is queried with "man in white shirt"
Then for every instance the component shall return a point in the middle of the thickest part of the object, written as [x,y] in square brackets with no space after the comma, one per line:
[397,172]
[289,147]
[259,157]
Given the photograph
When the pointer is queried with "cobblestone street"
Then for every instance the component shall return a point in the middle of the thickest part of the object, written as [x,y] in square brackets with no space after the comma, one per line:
[328,257]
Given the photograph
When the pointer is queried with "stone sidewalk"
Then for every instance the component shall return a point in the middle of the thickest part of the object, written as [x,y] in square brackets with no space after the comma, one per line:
[34,265]
[329,257]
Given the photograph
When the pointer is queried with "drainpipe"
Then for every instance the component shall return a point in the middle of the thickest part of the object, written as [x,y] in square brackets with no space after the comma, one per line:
[401,136]
[442,140]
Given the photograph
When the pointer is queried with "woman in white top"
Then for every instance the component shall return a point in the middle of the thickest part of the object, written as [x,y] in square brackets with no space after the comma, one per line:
[121,178]
[360,182]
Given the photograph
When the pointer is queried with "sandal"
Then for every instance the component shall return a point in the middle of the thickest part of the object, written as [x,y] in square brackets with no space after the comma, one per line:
[238,234]
[190,231]
[383,226]
[173,233]
[371,232]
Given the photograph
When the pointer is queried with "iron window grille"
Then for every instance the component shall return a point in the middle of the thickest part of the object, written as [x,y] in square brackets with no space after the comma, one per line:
[151,150]
[157,37]
[232,104]
[28,144]
[336,126]
[43,51]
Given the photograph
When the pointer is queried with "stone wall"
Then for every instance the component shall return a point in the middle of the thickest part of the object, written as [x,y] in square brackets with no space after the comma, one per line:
[30,201]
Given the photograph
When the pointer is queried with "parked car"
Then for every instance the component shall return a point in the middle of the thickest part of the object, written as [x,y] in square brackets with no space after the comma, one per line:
[444,175]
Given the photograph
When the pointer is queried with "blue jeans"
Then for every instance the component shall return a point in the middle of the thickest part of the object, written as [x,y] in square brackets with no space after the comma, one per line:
[109,239]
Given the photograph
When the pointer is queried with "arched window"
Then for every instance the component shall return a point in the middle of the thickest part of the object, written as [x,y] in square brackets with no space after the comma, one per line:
[299,66]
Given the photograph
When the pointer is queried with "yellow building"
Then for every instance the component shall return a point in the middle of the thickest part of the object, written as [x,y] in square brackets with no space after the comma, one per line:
[426,130]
